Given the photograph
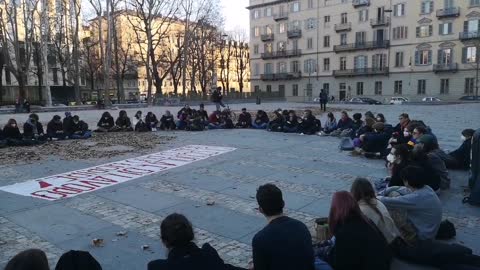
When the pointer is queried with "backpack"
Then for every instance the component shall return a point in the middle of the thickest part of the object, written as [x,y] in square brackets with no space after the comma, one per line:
[346,144]
[446,231]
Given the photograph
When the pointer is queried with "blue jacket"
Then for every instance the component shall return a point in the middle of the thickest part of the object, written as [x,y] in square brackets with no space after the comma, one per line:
[345,124]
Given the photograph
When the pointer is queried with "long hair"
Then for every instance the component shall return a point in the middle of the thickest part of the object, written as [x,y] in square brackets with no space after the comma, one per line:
[344,208]
[362,190]
[11,122]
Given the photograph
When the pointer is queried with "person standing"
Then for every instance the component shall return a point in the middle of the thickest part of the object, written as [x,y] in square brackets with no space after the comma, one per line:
[323,100]
[474,181]
[217,98]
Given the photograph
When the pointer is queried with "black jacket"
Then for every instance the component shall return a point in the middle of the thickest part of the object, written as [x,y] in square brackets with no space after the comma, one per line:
[192,257]
[106,123]
[245,118]
[375,142]
[396,180]
[78,127]
[166,119]
[53,127]
[291,123]
[203,115]
[123,122]
[151,120]
[261,119]
[28,129]
[12,133]
[462,154]
[360,246]
[67,124]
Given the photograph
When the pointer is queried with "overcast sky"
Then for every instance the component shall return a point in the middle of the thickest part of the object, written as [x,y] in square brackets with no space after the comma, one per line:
[236,16]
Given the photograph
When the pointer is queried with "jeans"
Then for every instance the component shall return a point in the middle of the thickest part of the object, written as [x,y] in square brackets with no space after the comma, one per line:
[259,126]
[321,265]
[290,129]
[218,104]
[213,126]
[181,124]
[84,135]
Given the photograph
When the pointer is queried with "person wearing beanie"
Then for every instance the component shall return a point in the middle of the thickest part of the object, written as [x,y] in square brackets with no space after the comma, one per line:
[460,158]
[429,145]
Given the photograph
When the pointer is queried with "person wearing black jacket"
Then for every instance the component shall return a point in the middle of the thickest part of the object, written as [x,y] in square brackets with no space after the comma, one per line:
[244,119]
[261,120]
[3,141]
[106,123]
[33,129]
[276,124]
[79,129]
[55,129]
[167,122]
[202,113]
[398,159]
[460,158]
[291,123]
[123,122]
[309,125]
[67,122]
[183,254]
[151,121]
[13,137]
[377,141]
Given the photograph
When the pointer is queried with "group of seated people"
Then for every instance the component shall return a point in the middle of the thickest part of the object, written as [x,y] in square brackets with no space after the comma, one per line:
[366,232]
[34,133]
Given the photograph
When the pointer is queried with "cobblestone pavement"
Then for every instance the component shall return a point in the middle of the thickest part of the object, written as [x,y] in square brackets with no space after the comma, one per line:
[217,194]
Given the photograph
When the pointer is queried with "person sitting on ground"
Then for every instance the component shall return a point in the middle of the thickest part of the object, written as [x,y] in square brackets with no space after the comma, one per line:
[195,122]
[367,127]
[203,114]
[30,259]
[419,158]
[215,121]
[398,159]
[276,124]
[79,129]
[138,123]
[261,120]
[33,129]
[12,134]
[381,118]
[309,124]
[226,120]
[123,122]
[106,123]
[244,119]
[76,259]
[291,123]
[429,144]
[55,129]
[359,244]
[167,122]
[344,126]
[460,158]
[418,202]
[151,121]
[357,122]
[67,123]
[330,124]
[285,114]
[369,114]
[183,254]
[363,192]
[183,117]
[3,140]
[398,131]
[185,110]
[285,243]
[376,141]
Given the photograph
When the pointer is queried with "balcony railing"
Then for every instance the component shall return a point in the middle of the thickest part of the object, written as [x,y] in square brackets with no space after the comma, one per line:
[361,72]
[385,21]
[370,45]
[448,12]
[360,3]
[280,17]
[452,67]
[341,27]
[281,76]
[297,33]
[267,37]
[469,35]
[281,54]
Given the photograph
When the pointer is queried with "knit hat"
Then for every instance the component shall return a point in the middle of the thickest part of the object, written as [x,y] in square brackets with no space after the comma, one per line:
[369,122]
[379,126]
[427,140]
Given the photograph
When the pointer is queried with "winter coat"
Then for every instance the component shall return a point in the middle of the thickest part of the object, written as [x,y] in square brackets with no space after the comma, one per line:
[53,127]
[31,129]
[245,118]
[123,122]
[106,123]
[12,133]
[345,124]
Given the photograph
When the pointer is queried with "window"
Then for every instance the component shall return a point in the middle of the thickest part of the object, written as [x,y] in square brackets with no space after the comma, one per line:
[309,43]
[269,88]
[379,61]
[282,28]
[255,49]
[326,88]
[268,12]
[400,32]
[257,88]
[282,67]
[444,86]
[294,66]
[398,88]
[399,59]
[359,88]
[444,56]
[268,29]
[469,86]
[360,62]
[268,48]
[295,90]
[421,86]
[256,14]
[360,37]
[256,69]
[310,66]
[344,18]
[426,7]
[326,64]
[281,46]
[268,68]
[469,55]
[423,57]
[294,25]
[256,31]
[363,15]
[378,88]
[343,39]
[471,26]
[8,77]
[310,3]
[295,7]
[399,10]
[474,2]
[445,28]
[326,41]
[343,63]
[326,19]
[424,31]
[310,24]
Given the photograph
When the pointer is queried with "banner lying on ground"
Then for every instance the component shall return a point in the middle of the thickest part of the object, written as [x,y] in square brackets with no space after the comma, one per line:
[71,184]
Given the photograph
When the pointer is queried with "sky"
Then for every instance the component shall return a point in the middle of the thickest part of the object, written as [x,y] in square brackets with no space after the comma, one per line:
[236,16]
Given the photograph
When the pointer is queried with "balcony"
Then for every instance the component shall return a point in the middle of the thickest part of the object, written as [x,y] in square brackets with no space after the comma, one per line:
[280,17]
[452,67]
[281,54]
[448,12]
[281,76]
[464,36]
[297,33]
[343,27]
[359,46]
[360,3]
[383,71]
[267,37]
[379,22]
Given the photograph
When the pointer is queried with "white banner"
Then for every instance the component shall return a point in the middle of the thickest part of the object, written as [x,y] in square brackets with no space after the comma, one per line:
[71,184]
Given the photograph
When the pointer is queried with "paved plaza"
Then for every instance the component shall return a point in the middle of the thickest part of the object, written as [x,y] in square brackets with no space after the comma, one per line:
[217,194]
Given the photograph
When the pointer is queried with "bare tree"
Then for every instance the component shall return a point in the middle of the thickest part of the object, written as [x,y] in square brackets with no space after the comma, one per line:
[172,56]
[242,58]
[92,61]
[226,57]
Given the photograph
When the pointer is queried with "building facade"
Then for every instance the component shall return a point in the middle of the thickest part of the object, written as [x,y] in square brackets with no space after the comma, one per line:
[371,48]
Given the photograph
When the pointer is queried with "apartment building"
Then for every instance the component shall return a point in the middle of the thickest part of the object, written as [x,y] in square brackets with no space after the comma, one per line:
[371,48]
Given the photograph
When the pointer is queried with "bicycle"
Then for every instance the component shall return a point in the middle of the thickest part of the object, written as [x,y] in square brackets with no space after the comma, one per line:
[228,112]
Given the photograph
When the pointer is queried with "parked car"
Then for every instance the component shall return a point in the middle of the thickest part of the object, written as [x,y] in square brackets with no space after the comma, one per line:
[470,98]
[363,100]
[431,99]
[317,99]
[398,100]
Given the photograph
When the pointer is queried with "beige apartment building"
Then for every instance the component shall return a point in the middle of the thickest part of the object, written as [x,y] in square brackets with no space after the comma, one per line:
[370,48]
